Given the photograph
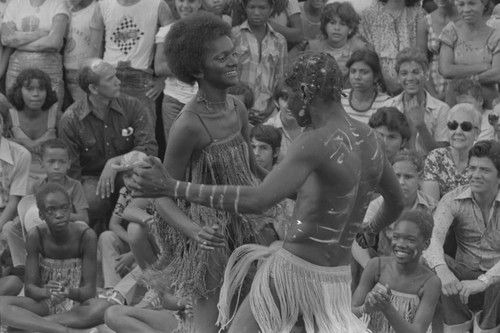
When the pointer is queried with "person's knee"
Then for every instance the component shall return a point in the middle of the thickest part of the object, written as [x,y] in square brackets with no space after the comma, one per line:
[107,239]
[114,313]
[136,232]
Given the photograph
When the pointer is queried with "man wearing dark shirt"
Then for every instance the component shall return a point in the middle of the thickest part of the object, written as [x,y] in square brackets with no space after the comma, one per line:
[99,130]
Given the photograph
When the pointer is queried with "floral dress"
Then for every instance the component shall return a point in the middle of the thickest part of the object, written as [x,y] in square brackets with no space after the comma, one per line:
[433,45]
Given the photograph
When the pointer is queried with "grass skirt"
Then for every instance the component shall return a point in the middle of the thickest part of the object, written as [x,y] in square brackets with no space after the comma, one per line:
[321,295]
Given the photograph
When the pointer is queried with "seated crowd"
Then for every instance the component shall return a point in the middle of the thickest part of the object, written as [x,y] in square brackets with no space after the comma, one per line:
[96,92]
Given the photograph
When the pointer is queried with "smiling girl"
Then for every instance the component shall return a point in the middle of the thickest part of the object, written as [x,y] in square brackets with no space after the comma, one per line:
[398,293]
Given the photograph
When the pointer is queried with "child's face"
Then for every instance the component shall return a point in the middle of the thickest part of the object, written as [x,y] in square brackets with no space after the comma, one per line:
[392,141]
[263,154]
[468,98]
[187,7]
[34,94]
[408,177]
[258,12]
[337,31]
[56,211]
[407,242]
[55,162]
[214,6]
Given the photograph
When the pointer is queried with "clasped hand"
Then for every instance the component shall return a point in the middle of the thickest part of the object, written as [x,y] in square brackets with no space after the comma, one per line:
[151,180]
[379,299]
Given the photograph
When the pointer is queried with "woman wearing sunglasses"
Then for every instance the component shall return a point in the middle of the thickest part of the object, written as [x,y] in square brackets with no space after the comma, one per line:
[446,168]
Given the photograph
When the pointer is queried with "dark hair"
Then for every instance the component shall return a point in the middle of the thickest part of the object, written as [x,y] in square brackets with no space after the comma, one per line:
[53,144]
[411,156]
[489,149]
[245,90]
[394,120]
[370,58]
[408,3]
[270,2]
[421,218]
[187,41]
[267,134]
[468,87]
[86,77]
[410,54]
[345,11]
[47,189]
[24,78]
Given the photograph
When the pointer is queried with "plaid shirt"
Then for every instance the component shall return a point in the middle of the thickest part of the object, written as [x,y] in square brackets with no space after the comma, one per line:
[261,71]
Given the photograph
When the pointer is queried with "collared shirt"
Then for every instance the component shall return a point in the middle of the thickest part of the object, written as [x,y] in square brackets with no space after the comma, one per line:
[261,71]
[423,202]
[15,161]
[92,140]
[435,117]
[478,241]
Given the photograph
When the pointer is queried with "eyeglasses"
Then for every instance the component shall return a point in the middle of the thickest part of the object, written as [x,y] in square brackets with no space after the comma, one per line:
[466,126]
[493,119]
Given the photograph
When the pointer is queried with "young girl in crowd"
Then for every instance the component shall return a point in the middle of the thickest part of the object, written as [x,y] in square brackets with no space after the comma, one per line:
[398,293]
[339,25]
[60,272]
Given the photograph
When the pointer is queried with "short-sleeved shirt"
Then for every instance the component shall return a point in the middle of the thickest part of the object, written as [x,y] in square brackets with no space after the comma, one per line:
[363,116]
[92,140]
[77,47]
[75,191]
[174,87]
[29,18]
[15,161]
[435,117]
[310,29]
[282,18]
[439,167]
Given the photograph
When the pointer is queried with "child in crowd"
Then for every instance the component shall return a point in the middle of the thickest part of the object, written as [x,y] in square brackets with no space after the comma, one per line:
[393,128]
[398,293]
[469,91]
[266,142]
[283,120]
[262,53]
[217,7]
[339,25]
[60,272]
[128,240]
[54,162]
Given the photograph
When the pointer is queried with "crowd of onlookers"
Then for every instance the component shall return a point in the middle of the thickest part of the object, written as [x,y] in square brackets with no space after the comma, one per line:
[89,92]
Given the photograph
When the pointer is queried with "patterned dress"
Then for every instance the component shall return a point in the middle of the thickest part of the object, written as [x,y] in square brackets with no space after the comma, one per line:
[433,45]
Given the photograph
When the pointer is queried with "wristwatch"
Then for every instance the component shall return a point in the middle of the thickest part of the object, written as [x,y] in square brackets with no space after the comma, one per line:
[484,279]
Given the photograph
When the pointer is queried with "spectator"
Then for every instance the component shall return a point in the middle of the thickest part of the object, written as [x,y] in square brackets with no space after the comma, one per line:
[393,128]
[428,31]
[98,130]
[469,91]
[15,163]
[284,121]
[218,8]
[446,167]
[60,272]
[367,93]
[55,162]
[426,115]
[310,15]
[398,292]
[34,116]
[470,280]
[469,48]
[391,26]
[244,93]
[262,56]
[176,93]
[494,123]
[266,142]
[287,21]
[339,26]
[128,30]
[77,47]
[35,30]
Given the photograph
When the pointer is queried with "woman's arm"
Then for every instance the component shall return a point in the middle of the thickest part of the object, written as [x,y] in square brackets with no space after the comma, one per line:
[160,62]
[424,314]
[368,280]
[54,40]
[115,225]
[32,287]
[12,38]
[492,75]
[89,267]
[450,70]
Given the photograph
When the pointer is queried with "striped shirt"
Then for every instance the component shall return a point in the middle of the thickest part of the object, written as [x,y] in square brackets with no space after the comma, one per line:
[365,115]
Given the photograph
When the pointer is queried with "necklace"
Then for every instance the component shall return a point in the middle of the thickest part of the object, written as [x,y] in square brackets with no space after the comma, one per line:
[359,103]
[211,106]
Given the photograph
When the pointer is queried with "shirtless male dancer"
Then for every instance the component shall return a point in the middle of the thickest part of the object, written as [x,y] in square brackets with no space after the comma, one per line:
[334,168]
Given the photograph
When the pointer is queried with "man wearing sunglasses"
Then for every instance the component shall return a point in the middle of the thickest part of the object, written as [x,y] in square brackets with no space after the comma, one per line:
[470,281]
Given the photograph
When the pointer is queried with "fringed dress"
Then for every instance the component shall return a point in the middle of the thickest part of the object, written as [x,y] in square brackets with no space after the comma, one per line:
[67,271]
[222,162]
